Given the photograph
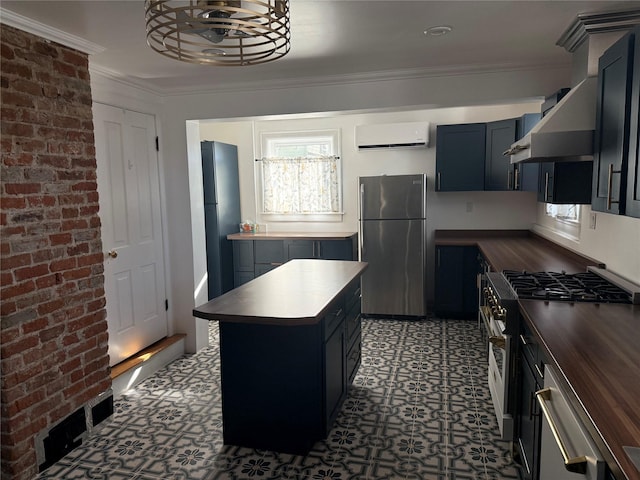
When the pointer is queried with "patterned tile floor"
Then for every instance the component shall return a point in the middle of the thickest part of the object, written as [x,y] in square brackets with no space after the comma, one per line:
[419,409]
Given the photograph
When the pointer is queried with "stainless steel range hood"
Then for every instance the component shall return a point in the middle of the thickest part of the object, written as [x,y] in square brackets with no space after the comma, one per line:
[565,133]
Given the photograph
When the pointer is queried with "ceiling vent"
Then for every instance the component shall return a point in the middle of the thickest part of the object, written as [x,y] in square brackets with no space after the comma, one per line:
[392,135]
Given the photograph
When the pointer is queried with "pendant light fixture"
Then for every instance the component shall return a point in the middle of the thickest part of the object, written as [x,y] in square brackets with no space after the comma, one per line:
[219,32]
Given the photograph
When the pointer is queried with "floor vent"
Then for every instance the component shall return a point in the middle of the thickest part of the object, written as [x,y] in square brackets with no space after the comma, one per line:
[63,438]
[102,410]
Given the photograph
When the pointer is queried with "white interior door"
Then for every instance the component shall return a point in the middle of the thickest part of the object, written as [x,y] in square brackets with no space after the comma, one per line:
[128,185]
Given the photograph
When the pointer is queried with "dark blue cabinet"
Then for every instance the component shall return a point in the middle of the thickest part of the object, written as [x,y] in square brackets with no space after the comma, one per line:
[456,292]
[460,152]
[565,182]
[613,115]
[527,174]
[499,172]
[633,168]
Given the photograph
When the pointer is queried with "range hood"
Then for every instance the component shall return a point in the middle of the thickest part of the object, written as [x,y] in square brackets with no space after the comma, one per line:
[565,133]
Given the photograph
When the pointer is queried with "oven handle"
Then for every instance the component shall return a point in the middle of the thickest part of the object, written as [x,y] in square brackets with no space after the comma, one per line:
[572,464]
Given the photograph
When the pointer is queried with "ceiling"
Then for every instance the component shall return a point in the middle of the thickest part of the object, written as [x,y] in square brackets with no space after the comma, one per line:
[331,40]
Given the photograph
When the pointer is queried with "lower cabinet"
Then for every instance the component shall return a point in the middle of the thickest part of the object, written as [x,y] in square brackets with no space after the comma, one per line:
[456,292]
[252,258]
[283,386]
[528,416]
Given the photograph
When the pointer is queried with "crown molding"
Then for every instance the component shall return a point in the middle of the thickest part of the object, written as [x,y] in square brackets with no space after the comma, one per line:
[21,22]
[587,24]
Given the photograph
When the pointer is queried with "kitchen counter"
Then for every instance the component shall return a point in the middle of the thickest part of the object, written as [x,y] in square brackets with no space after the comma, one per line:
[289,348]
[298,292]
[595,350]
[292,236]
[517,250]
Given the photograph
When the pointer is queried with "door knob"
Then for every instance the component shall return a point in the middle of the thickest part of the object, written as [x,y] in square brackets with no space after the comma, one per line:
[112,253]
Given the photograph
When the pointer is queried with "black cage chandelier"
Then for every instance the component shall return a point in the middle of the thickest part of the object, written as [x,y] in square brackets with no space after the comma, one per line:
[212,32]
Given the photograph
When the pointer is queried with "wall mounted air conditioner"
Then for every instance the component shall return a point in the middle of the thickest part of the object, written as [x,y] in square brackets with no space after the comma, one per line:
[393,135]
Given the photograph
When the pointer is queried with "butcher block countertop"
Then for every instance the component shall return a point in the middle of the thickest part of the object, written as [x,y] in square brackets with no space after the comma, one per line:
[595,349]
[517,250]
[298,292]
[292,236]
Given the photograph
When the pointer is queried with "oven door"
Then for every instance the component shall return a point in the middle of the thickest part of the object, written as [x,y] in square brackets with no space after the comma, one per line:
[499,346]
[567,452]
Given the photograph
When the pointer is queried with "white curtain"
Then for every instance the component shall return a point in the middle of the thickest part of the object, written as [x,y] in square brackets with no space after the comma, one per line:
[300,185]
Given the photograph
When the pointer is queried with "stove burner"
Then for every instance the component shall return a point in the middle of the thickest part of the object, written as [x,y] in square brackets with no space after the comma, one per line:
[577,287]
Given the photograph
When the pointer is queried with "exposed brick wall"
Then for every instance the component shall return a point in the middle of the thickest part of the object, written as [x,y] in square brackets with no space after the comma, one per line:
[54,331]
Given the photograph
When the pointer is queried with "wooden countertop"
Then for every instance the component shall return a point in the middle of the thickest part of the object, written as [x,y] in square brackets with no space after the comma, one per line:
[596,352]
[517,250]
[292,236]
[296,293]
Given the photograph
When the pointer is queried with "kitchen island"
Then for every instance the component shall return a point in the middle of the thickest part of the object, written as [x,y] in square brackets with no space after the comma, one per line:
[289,348]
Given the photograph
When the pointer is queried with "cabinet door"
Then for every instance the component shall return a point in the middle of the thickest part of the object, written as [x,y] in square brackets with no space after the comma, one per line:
[269,251]
[335,374]
[565,182]
[336,249]
[460,151]
[243,255]
[499,173]
[300,249]
[612,128]
[528,422]
[633,169]
[527,174]
[455,281]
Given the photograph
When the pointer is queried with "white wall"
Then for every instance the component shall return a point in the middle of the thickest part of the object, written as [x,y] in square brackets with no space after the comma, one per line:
[445,210]
[184,266]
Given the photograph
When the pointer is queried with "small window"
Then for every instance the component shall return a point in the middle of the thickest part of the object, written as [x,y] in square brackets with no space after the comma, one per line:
[563,213]
[300,176]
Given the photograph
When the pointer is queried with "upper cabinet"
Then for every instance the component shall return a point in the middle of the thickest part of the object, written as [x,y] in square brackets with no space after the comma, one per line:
[499,173]
[616,143]
[469,157]
[460,151]
[633,168]
[565,182]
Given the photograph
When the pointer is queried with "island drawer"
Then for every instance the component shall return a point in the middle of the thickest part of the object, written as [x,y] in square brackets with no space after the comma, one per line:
[354,356]
[333,319]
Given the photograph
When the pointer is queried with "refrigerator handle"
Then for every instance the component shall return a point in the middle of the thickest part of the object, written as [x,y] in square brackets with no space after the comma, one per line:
[360,239]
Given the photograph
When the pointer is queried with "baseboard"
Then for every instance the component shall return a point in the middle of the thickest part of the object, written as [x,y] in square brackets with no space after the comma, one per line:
[130,372]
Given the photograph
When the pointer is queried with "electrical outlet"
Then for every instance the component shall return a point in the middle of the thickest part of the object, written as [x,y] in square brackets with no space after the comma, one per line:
[592,221]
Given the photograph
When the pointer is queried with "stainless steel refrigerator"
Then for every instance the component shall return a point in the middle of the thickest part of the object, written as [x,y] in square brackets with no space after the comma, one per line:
[392,232]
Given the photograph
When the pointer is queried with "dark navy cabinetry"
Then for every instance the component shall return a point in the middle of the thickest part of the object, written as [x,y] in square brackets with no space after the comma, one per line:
[252,258]
[527,174]
[460,152]
[633,168]
[565,182]
[499,172]
[456,293]
[613,118]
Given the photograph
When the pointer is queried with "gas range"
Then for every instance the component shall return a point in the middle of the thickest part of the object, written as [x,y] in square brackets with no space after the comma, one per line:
[596,285]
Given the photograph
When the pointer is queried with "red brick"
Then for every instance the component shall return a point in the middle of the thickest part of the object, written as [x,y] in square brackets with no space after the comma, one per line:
[34,325]
[31,272]
[19,345]
[42,200]
[18,159]
[62,265]
[22,188]
[10,263]
[16,290]
[52,306]
[78,273]
[7,308]
[14,202]
[60,239]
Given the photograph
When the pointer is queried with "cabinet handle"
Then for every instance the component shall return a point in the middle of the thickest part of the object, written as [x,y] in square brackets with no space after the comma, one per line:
[360,226]
[523,340]
[509,180]
[610,186]
[516,183]
[546,186]
[438,180]
[538,371]
[572,464]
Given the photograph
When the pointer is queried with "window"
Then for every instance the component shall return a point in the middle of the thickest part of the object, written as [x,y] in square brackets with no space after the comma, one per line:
[301,175]
[564,213]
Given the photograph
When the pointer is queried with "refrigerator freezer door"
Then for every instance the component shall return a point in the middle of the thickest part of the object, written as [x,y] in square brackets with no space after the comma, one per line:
[394,283]
[392,197]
